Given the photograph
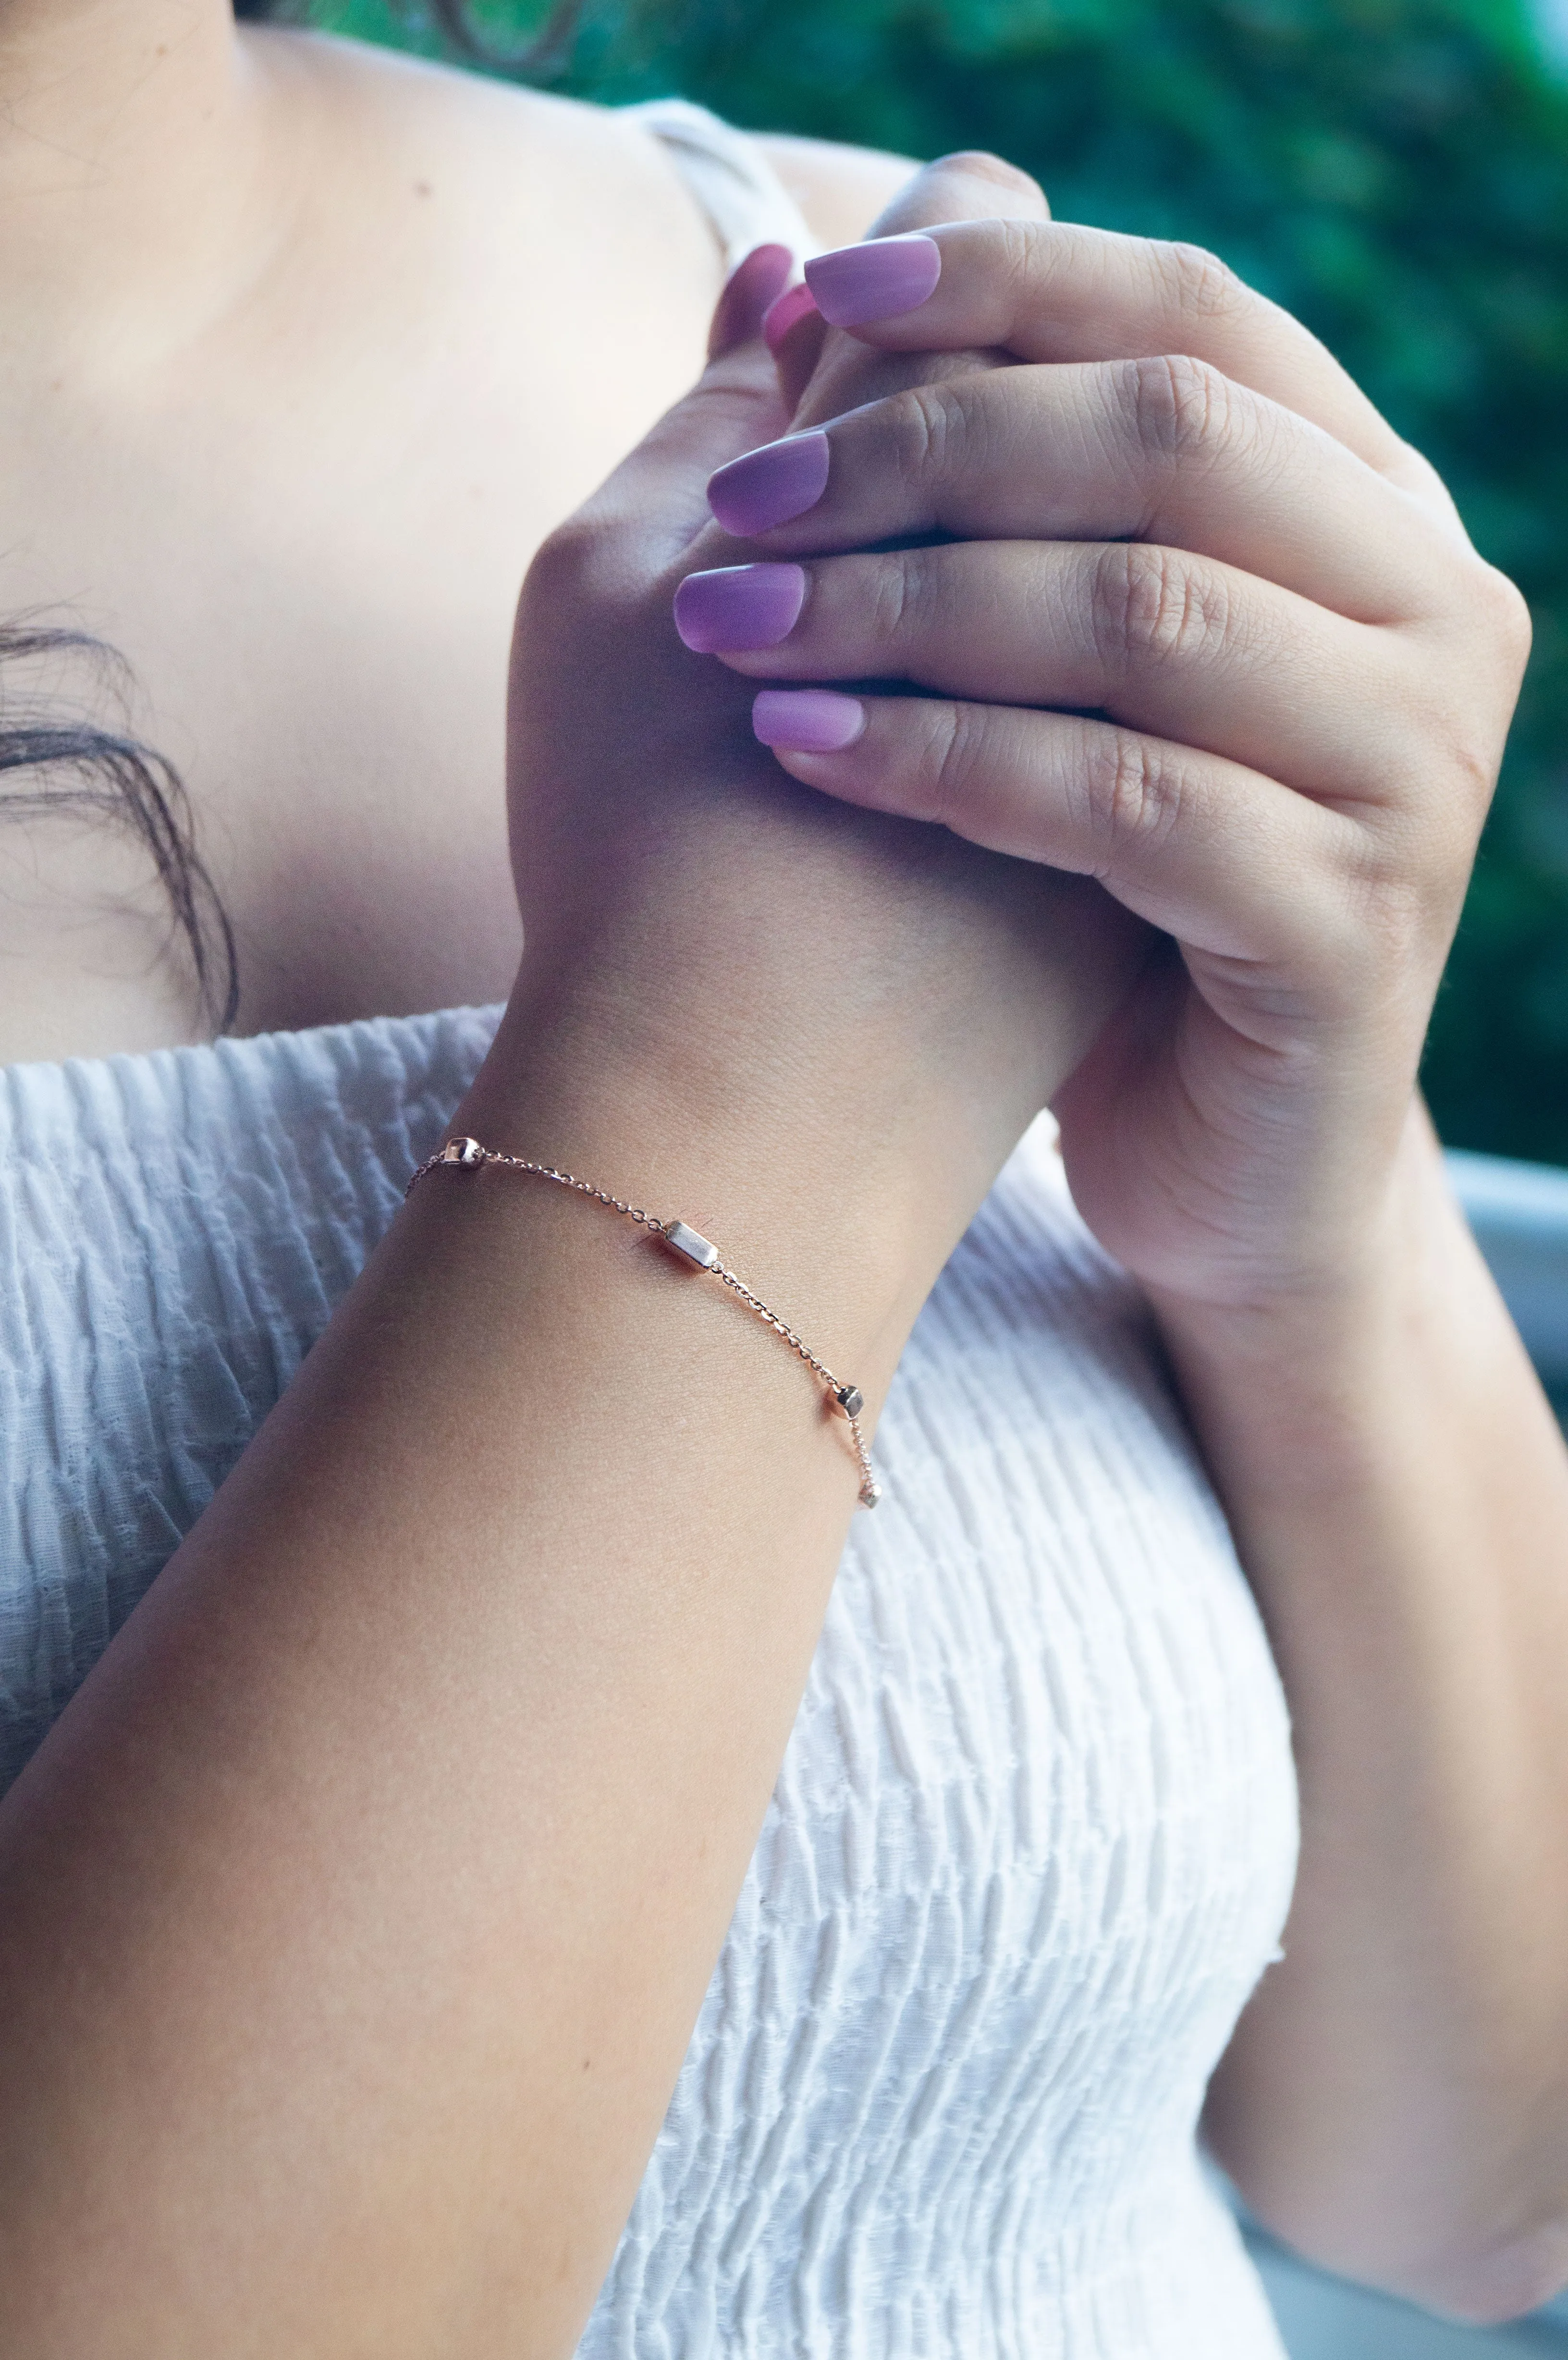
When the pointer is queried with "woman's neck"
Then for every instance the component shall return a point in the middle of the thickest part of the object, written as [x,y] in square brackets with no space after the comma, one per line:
[132,201]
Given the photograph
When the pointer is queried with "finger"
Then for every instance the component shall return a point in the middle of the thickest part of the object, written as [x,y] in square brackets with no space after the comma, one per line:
[1231,863]
[968,185]
[1056,291]
[735,403]
[1154,639]
[822,373]
[750,293]
[1164,450]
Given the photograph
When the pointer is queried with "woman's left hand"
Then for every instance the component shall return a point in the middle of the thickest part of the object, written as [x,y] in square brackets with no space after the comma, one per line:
[1203,628]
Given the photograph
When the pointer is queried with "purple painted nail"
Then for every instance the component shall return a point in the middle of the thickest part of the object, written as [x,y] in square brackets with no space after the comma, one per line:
[770,486]
[750,293]
[807,720]
[739,606]
[795,303]
[857,284]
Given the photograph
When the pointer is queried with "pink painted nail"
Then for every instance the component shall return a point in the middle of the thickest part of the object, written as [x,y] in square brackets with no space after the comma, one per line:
[748,297]
[770,486]
[795,303]
[738,607]
[807,720]
[857,284]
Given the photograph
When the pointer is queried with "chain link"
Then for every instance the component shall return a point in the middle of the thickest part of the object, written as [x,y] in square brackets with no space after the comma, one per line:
[461,1154]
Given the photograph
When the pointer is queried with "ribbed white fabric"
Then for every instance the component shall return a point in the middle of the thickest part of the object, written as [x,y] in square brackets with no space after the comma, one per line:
[1034,1833]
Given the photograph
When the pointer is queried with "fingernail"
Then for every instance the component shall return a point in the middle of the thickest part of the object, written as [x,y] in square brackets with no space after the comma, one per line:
[738,607]
[749,294]
[856,284]
[807,720]
[770,486]
[794,305]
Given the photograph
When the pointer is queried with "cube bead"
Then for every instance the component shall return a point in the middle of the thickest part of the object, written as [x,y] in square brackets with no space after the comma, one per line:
[692,1245]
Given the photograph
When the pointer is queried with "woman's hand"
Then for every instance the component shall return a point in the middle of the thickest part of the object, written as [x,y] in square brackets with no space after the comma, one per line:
[1202,628]
[707,929]
[1212,634]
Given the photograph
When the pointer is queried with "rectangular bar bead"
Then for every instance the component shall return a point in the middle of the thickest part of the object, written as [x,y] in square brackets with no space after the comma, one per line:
[692,1245]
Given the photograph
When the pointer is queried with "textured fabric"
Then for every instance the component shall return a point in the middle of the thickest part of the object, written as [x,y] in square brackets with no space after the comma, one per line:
[1033,1837]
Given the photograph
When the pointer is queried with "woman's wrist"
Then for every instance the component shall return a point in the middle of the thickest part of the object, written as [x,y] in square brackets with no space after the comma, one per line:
[1312,1386]
[816,1192]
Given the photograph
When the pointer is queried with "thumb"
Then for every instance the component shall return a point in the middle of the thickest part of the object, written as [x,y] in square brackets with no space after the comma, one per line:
[970,186]
[734,405]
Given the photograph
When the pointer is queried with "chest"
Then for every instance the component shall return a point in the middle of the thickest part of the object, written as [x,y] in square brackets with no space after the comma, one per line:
[308,549]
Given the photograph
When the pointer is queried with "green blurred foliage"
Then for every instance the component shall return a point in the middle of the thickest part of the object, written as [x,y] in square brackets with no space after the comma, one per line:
[1395,171]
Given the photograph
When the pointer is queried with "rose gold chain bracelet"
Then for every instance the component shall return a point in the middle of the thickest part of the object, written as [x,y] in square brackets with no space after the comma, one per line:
[696,1251]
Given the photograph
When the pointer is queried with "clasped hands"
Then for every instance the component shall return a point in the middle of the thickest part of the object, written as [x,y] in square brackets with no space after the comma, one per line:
[1183,617]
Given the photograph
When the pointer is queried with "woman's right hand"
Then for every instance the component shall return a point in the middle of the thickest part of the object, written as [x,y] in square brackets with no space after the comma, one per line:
[891,1004]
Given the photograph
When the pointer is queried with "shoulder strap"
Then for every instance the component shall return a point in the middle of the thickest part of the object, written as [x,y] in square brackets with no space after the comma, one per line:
[730,180]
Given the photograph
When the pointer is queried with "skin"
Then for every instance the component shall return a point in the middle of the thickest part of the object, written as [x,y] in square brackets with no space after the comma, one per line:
[1292,678]
[288,410]
[368,1690]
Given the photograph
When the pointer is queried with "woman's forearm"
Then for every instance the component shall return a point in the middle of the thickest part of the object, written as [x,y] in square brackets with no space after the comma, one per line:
[1394,2099]
[355,1918]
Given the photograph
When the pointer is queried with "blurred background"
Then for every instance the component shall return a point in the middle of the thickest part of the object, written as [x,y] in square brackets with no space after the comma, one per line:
[1396,172]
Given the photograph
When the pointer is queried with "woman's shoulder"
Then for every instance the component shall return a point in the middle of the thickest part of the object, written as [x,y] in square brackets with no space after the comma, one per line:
[840,190]
[484,133]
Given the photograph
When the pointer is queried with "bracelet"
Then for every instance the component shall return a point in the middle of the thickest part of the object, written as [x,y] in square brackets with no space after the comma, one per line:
[696,1251]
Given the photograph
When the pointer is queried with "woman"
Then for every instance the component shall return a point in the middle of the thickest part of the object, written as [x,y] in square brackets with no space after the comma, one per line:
[386,1852]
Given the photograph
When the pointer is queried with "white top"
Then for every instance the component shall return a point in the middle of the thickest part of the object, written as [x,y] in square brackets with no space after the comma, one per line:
[1033,1838]
[1034,1834]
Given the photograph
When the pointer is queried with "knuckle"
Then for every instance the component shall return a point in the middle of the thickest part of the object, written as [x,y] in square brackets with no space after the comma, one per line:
[1133,791]
[1509,613]
[1015,254]
[900,597]
[1179,407]
[931,430]
[1149,604]
[1198,281]
[567,553]
[568,568]
[1462,763]
[1395,925]
[952,751]
[980,164]
[1402,883]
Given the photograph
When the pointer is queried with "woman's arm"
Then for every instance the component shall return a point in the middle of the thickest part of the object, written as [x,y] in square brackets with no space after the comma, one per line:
[1281,682]
[354,1917]
[1394,2099]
